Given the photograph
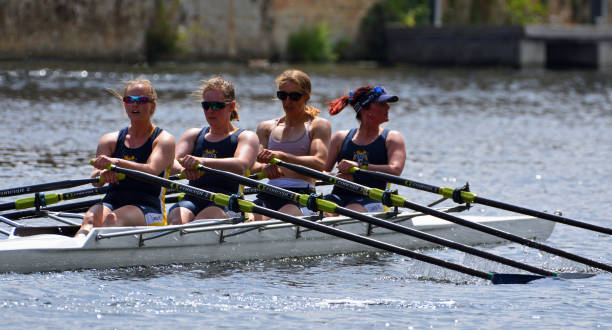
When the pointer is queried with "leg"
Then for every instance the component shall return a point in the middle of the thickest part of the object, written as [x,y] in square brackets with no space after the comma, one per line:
[128,215]
[180,215]
[93,218]
[291,209]
[211,212]
[357,207]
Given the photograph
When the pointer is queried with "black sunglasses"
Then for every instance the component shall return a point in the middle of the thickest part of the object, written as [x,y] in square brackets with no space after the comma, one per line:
[214,105]
[294,96]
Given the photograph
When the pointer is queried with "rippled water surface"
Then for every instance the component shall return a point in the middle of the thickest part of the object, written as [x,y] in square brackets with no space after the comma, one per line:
[539,139]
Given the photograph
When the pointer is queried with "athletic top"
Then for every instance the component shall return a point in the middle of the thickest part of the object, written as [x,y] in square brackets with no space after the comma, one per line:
[299,147]
[221,149]
[132,190]
[373,153]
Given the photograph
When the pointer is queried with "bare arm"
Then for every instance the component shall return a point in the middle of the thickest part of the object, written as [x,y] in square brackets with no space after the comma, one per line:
[160,159]
[184,147]
[264,129]
[244,156]
[396,153]
[334,149]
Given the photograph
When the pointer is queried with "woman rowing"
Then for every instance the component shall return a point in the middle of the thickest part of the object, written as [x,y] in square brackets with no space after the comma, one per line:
[141,146]
[221,145]
[298,137]
[368,146]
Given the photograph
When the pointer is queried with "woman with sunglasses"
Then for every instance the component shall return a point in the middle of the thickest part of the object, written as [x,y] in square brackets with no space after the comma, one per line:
[141,146]
[298,137]
[221,145]
[369,146]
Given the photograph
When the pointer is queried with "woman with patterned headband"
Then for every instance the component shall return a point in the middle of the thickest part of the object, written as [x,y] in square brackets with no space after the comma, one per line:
[221,146]
[369,146]
[298,137]
[141,146]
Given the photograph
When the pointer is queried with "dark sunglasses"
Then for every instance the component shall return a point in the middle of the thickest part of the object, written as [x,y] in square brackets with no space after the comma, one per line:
[136,99]
[294,96]
[214,105]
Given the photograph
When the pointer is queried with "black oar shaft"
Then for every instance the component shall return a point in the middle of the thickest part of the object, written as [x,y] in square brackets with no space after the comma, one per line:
[289,195]
[46,187]
[486,201]
[305,223]
[507,236]
[370,242]
[360,189]
[542,215]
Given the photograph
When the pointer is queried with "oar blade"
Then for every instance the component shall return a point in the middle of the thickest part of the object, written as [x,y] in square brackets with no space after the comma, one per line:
[514,278]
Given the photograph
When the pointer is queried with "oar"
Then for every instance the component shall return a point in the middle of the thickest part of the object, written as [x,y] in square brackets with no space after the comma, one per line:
[48,186]
[75,207]
[461,196]
[48,199]
[326,206]
[248,206]
[396,200]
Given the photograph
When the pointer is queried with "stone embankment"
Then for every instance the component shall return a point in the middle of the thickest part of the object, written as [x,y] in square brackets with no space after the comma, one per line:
[205,29]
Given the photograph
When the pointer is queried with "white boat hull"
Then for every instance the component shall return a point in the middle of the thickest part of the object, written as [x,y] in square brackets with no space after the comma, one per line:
[52,252]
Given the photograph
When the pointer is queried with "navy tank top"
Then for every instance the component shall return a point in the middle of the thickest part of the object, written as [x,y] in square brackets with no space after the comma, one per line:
[128,188]
[221,149]
[373,153]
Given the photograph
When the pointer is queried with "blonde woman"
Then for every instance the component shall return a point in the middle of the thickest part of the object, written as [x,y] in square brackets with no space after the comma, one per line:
[221,145]
[299,137]
[140,146]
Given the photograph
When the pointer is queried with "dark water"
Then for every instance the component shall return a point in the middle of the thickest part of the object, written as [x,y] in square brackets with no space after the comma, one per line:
[539,139]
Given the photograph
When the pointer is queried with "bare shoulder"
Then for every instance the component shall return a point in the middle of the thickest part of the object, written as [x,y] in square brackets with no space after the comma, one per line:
[266,125]
[395,137]
[165,138]
[248,136]
[190,134]
[109,138]
[320,127]
[339,136]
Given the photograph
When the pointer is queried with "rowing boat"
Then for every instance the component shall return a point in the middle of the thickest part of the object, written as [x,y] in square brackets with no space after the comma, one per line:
[35,249]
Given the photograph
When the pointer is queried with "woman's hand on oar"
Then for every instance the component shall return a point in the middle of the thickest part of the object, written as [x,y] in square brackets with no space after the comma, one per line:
[248,206]
[468,197]
[396,200]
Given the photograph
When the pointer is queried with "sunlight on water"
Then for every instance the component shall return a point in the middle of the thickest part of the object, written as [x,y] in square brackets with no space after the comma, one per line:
[538,139]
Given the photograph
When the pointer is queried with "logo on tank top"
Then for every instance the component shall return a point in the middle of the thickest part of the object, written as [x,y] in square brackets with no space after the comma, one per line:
[130,158]
[209,153]
[361,156]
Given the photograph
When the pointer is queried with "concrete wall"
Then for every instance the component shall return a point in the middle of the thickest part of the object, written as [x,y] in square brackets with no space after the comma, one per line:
[208,29]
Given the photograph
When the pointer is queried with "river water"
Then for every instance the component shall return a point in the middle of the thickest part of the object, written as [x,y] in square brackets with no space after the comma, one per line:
[535,138]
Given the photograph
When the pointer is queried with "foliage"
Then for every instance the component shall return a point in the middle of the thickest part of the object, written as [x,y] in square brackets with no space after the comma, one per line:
[372,41]
[311,44]
[523,12]
[162,37]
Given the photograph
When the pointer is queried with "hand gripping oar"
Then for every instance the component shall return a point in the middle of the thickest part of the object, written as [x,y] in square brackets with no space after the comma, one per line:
[319,204]
[48,186]
[395,200]
[248,206]
[461,196]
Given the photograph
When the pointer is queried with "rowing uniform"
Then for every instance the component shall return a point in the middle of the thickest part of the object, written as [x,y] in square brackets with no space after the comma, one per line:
[373,153]
[149,198]
[299,147]
[225,148]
